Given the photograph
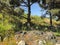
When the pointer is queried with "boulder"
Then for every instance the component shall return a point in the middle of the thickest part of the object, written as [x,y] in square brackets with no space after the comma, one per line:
[22,42]
[0,38]
[57,44]
[41,42]
[50,35]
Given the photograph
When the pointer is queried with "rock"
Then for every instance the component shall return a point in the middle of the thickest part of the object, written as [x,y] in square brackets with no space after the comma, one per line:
[38,32]
[41,42]
[35,42]
[5,38]
[21,32]
[17,37]
[57,44]
[50,36]
[58,41]
[0,38]
[22,42]
[25,33]
[18,32]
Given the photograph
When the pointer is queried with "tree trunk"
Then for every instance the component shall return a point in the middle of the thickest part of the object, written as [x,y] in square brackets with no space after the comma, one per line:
[1,38]
[29,13]
[50,20]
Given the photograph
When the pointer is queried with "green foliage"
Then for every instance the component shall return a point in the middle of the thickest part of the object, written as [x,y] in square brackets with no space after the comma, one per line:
[54,11]
[15,3]
[4,25]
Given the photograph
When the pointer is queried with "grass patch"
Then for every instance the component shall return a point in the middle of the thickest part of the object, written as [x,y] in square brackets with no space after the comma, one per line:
[57,34]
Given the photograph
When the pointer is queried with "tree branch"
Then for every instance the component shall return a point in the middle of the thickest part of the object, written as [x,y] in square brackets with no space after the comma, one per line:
[23,5]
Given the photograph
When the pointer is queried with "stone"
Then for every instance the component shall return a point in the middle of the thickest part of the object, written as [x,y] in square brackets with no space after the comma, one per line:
[0,38]
[50,36]
[41,42]
[35,42]
[16,37]
[57,44]
[21,32]
[25,33]
[5,38]
[22,42]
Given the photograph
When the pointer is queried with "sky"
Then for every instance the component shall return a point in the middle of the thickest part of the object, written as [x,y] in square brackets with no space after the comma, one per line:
[35,10]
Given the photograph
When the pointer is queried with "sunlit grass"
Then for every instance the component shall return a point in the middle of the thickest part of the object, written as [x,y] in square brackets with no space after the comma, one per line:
[57,34]
[10,41]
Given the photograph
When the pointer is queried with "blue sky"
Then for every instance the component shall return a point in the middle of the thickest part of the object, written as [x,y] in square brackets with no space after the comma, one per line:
[35,10]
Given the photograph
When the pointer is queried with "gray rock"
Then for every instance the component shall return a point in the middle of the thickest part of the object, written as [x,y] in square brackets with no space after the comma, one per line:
[22,42]
[41,42]
[57,44]
[35,42]
[50,36]
[17,37]
[0,38]
[58,41]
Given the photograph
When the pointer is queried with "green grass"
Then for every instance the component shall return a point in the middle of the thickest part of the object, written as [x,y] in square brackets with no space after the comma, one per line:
[57,34]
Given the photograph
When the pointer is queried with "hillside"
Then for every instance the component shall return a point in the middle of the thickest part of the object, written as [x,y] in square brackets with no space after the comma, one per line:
[18,23]
[11,25]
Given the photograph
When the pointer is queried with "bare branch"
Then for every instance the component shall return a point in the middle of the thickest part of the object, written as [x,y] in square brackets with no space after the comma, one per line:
[23,5]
